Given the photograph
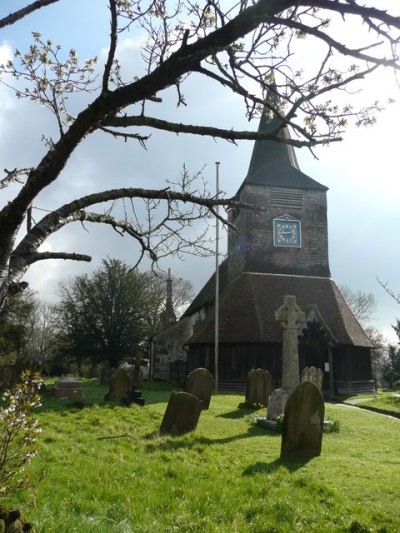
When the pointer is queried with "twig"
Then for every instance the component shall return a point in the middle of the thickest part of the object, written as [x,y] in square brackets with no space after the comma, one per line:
[127,435]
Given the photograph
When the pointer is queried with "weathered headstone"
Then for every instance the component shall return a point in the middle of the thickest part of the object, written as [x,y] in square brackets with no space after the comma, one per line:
[120,385]
[106,375]
[200,383]
[67,388]
[182,414]
[291,318]
[258,387]
[313,375]
[303,423]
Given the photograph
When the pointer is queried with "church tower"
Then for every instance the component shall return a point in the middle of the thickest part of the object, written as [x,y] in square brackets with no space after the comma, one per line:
[290,236]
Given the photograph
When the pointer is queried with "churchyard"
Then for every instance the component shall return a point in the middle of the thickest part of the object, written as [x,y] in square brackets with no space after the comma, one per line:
[107,469]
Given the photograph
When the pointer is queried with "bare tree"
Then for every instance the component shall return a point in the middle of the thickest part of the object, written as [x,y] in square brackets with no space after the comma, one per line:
[247,47]
[362,304]
[391,293]
[379,355]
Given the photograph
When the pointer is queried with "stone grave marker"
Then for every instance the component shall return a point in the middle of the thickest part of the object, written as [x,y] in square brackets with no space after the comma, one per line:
[258,387]
[120,385]
[105,375]
[182,414]
[303,423]
[291,318]
[67,388]
[313,375]
[200,383]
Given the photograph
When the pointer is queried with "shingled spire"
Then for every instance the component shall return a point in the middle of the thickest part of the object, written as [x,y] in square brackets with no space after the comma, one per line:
[168,316]
[275,164]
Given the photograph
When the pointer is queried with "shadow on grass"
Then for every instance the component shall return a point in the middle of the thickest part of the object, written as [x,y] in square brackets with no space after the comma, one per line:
[188,441]
[240,412]
[268,468]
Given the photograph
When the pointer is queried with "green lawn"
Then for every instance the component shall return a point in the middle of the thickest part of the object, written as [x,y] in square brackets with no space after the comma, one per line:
[225,477]
[386,401]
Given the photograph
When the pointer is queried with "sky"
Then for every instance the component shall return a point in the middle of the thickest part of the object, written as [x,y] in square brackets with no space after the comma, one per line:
[362,172]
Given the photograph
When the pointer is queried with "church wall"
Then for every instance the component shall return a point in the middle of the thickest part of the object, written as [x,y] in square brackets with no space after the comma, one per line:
[353,373]
[257,253]
[168,347]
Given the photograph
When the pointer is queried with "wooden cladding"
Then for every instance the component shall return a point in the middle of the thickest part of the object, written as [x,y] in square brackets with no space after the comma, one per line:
[286,198]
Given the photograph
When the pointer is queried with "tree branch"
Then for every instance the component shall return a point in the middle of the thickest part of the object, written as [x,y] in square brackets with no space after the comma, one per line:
[26,251]
[141,138]
[18,15]
[40,256]
[353,9]
[13,175]
[396,297]
[229,135]
[344,50]
[113,46]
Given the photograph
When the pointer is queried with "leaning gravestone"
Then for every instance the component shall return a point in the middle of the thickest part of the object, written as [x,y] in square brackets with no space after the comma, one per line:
[120,385]
[200,383]
[67,388]
[313,375]
[303,423]
[182,414]
[258,387]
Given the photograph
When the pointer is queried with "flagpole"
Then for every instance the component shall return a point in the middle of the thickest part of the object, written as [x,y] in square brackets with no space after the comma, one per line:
[216,339]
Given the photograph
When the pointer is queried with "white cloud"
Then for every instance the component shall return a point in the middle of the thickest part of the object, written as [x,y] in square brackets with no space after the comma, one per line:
[6,53]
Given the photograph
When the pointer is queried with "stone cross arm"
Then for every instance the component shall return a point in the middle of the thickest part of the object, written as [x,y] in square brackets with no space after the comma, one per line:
[289,314]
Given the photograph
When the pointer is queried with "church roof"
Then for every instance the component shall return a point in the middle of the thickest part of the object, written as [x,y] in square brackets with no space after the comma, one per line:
[249,302]
[275,164]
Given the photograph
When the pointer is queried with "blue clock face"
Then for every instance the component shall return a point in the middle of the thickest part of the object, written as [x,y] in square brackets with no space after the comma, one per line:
[287,232]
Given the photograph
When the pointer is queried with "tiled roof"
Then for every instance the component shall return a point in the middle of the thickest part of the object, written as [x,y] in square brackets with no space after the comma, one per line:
[249,302]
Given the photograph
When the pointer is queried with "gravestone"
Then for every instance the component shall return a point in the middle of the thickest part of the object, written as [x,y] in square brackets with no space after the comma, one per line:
[120,385]
[258,387]
[200,383]
[67,388]
[313,375]
[291,318]
[182,414]
[106,375]
[303,423]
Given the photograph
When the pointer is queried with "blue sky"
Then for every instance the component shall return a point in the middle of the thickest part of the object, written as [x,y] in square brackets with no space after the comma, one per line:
[362,173]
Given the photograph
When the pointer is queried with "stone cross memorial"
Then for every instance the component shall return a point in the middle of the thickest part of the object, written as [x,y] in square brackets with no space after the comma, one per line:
[182,414]
[258,387]
[303,423]
[200,383]
[291,318]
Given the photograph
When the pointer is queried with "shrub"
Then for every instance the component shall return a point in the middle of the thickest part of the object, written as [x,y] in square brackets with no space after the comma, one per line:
[18,434]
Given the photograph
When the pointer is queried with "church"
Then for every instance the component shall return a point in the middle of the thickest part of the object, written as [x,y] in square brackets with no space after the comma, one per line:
[282,250]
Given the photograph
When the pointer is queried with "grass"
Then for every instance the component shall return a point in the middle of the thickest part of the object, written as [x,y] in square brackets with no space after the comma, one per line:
[107,470]
[385,401]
